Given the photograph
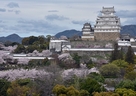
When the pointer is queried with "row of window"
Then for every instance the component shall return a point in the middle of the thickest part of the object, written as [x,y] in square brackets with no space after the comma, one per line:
[107,22]
[107,27]
[107,30]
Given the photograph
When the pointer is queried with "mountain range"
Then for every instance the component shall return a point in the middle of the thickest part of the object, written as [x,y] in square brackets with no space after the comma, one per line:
[11,38]
[127,29]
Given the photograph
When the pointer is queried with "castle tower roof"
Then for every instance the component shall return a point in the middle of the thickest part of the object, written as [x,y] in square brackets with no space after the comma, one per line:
[108,9]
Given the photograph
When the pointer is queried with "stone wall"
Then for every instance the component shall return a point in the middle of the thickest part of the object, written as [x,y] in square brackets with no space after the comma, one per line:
[92,53]
[88,39]
[106,36]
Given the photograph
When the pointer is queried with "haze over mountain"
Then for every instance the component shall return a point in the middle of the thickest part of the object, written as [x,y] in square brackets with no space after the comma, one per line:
[68,33]
[11,38]
[127,29]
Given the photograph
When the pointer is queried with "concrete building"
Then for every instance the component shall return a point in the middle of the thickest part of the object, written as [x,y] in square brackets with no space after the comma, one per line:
[88,33]
[107,25]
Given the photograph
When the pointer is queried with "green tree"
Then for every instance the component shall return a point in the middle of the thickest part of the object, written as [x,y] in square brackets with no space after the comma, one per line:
[105,94]
[20,48]
[110,70]
[4,85]
[128,84]
[21,88]
[125,92]
[120,63]
[45,62]
[131,75]
[61,90]
[134,83]
[129,55]
[84,93]
[115,53]
[90,64]
[90,85]
[41,39]
[31,48]
[76,57]
[25,41]
[96,76]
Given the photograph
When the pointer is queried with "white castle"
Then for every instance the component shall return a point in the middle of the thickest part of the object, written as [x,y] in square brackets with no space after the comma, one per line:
[107,27]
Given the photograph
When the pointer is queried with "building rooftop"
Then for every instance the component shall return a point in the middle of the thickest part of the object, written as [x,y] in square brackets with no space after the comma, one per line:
[108,9]
[87,24]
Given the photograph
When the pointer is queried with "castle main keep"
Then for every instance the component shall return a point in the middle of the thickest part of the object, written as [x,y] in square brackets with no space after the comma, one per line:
[107,27]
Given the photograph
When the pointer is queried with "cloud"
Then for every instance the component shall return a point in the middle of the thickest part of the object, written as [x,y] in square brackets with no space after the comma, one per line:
[39,26]
[17,11]
[2,10]
[126,13]
[10,10]
[0,21]
[82,22]
[130,21]
[128,16]
[13,5]
[56,17]
[53,11]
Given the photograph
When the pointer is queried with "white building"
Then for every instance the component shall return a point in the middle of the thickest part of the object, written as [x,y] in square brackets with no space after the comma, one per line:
[107,25]
[57,45]
[88,33]
[124,43]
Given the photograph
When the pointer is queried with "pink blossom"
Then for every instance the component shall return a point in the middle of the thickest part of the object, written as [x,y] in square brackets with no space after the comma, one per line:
[97,46]
[46,53]
[108,45]
[1,60]
[1,45]
[64,56]
[10,48]
[23,61]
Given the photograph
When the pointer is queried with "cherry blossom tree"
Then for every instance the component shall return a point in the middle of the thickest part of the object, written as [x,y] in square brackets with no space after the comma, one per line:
[10,48]
[46,53]
[5,58]
[1,45]
[64,56]
[23,61]
[1,60]
[108,45]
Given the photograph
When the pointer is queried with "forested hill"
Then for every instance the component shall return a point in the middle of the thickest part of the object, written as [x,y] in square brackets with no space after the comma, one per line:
[127,29]
[68,33]
[11,38]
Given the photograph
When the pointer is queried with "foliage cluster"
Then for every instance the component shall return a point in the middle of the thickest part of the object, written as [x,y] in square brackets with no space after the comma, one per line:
[29,44]
[61,90]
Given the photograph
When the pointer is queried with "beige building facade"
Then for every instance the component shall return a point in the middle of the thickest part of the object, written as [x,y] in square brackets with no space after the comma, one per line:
[107,25]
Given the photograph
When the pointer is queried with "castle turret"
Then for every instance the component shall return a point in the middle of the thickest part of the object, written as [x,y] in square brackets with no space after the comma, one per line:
[107,25]
[87,32]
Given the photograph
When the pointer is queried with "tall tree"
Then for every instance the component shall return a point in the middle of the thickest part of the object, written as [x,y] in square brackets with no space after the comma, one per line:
[117,53]
[129,55]
[77,58]
[114,55]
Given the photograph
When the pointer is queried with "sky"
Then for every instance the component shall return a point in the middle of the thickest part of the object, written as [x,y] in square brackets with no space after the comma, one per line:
[48,17]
